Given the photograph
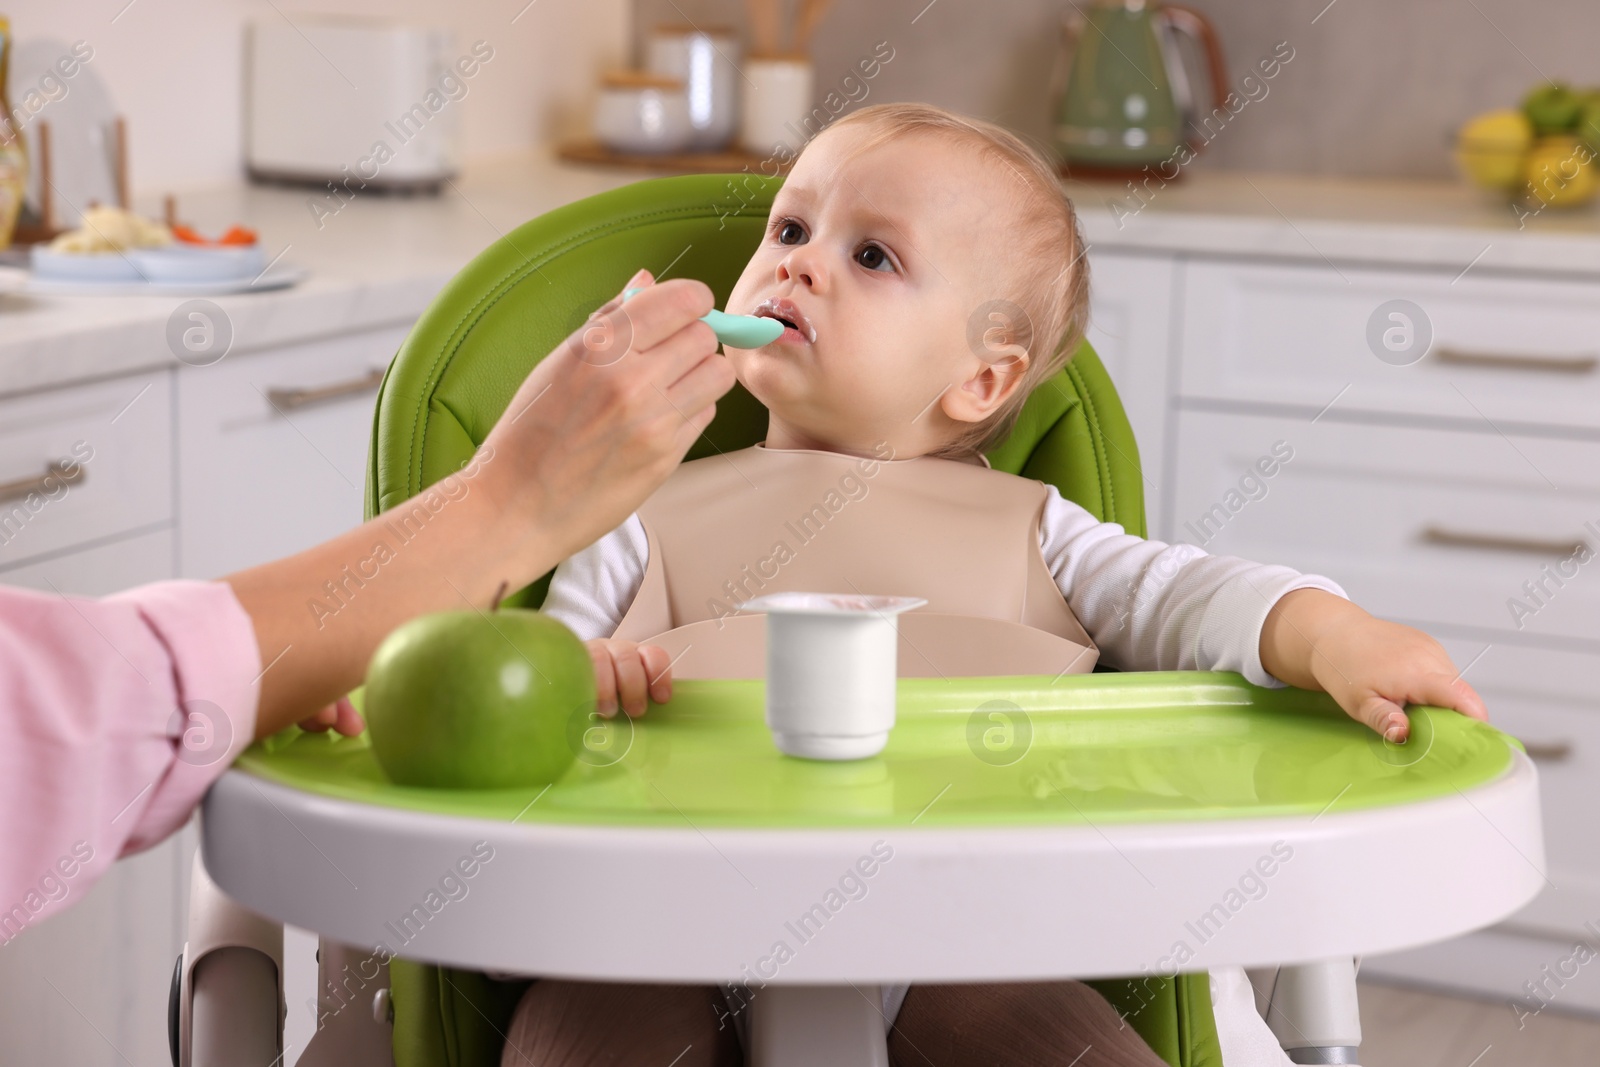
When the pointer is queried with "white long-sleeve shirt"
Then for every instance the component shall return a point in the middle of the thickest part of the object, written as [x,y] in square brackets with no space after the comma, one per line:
[1147,605]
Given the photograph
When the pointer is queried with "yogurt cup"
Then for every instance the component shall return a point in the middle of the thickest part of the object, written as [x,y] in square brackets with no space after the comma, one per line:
[831,669]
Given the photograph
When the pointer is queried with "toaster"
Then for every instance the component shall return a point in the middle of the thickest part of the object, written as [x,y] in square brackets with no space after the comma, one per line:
[357,102]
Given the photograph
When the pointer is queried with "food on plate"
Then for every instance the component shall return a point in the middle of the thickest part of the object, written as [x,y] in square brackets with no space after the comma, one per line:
[236,236]
[111,229]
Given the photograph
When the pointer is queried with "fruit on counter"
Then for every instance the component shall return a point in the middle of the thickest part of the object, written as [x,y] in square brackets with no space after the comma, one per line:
[1553,108]
[478,700]
[1493,148]
[1561,171]
[111,229]
[1545,153]
[1589,121]
[235,237]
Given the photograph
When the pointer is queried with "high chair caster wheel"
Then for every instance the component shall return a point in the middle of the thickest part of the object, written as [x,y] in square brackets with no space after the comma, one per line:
[173,1012]
[233,1014]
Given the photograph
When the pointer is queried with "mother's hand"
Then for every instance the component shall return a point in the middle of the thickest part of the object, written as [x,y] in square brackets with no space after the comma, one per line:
[595,428]
[605,417]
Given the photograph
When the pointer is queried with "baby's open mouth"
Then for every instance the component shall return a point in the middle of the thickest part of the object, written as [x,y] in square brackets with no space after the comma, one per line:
[797,327]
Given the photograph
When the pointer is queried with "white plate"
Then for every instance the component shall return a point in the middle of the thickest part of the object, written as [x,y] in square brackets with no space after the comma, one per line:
[96,267]
[279,276]
[198,263]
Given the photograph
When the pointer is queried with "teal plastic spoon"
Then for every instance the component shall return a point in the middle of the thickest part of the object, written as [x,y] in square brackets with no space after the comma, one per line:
[739,331]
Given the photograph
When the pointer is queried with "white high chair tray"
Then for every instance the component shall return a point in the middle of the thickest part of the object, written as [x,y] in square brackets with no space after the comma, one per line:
[1150,822]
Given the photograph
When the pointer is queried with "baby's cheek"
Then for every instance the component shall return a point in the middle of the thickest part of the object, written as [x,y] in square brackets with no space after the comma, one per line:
[739,359]
[745,290]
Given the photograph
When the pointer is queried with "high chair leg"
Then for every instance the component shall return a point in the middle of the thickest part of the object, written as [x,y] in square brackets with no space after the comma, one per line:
[1312,1009]
[228,1008]
[353,1024]
[818,1026]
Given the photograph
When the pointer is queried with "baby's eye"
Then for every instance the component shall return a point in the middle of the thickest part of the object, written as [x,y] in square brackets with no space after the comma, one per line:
[874,258]
[790,232]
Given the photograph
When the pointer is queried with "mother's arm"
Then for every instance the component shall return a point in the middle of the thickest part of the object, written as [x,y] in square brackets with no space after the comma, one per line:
[582,444]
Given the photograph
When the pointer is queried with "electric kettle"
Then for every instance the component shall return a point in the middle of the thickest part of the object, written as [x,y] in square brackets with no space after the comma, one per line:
[1122,94]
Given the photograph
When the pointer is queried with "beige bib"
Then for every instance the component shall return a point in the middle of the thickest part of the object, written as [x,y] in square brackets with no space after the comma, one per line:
[727,528]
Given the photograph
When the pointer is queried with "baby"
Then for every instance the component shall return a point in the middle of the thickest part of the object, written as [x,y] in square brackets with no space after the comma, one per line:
[897,228]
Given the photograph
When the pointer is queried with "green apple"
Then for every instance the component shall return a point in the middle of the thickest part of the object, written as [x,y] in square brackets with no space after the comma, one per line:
[478,700]
[1552,108]
[1589,121]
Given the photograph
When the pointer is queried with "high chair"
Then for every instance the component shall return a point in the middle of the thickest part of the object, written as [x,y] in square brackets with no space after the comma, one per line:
[1091,826]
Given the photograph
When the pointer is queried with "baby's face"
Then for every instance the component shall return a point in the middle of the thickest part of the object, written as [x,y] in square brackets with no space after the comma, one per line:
[878,261]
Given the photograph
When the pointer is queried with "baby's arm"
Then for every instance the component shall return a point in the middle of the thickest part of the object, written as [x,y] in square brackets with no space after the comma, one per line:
[590,592]
[1371,667]
[1154,606]
[1151,606]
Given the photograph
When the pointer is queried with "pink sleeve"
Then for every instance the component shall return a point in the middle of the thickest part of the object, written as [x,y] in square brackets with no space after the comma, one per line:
[116,715]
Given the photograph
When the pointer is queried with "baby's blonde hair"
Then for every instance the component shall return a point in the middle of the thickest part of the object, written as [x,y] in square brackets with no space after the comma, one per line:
[1051,277]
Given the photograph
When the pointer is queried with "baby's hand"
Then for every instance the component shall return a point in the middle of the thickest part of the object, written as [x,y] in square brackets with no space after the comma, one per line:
[624,672]
[1372,667]
[340,716]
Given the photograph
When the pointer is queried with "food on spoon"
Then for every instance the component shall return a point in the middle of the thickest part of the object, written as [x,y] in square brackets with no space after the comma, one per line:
[111,229]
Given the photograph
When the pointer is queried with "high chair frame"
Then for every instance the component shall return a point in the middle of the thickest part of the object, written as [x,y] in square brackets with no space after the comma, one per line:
[452,379]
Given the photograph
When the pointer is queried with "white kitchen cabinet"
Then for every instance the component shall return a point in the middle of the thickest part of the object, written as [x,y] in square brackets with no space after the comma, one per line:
[88,987]
[1432,491]
[116,439]
[1509,349]
[1548,700]
[267,452]
[272,449]
[1129,319]
[1453,530]
[102,569]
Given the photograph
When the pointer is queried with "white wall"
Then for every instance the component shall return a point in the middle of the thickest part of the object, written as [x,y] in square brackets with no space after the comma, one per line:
[1376,87]
[173,68]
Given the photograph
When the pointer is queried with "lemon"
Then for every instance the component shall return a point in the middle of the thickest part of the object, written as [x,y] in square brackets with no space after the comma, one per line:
[1492,148]
[1561,172]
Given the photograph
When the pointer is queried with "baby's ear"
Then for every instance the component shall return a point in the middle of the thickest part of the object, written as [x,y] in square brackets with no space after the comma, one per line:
[991,384]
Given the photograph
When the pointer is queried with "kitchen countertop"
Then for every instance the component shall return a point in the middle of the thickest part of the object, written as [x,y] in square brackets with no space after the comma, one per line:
[1440,225]
[380,259]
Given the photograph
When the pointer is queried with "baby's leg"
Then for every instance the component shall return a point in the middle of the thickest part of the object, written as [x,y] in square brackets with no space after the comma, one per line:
[1021,1024]
[600,1024]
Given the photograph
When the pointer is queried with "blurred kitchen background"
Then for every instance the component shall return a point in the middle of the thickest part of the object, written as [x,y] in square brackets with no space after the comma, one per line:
[1378,89]
[1248,301]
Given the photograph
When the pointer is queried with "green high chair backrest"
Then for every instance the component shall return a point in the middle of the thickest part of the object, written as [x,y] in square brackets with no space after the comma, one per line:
[523,295]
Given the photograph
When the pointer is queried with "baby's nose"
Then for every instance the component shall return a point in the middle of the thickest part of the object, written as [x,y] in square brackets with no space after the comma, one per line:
[799,269]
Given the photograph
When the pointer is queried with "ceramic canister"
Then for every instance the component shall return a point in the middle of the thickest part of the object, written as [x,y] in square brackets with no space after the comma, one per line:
[777,104]
[642,113]
[706,61]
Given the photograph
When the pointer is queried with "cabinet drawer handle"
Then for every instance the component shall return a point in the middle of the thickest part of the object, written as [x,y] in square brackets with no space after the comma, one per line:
[1548,751]
[40,483]
[289,399]
[1438,535]
[1506,361]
